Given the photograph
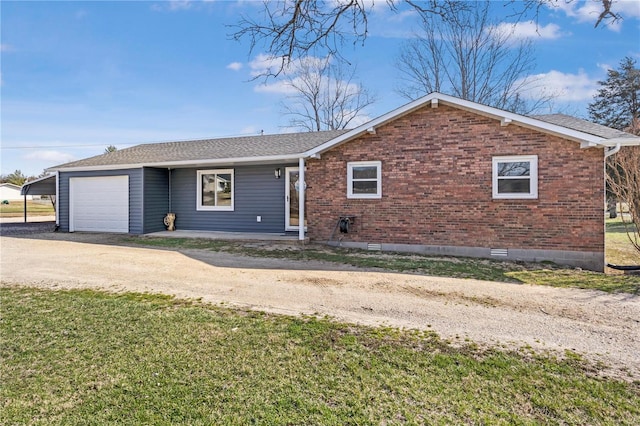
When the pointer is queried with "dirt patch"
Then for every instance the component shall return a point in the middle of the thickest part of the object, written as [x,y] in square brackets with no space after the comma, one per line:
[602,327]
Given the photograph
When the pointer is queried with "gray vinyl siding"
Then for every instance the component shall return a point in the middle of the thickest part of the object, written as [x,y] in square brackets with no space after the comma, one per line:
[257,193]
[156,198]
[135,196]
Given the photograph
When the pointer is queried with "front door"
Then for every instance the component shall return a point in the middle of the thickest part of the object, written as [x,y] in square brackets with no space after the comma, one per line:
[291,208]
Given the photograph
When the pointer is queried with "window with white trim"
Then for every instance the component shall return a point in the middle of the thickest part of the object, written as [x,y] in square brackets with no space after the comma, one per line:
[515,177]
[364,179]
[215,190]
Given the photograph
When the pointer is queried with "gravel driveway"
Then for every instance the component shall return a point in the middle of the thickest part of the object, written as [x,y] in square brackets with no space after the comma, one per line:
[601,327]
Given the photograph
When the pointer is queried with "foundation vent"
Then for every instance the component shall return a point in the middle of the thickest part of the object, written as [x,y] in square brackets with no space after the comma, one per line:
[500,252]
[374,247]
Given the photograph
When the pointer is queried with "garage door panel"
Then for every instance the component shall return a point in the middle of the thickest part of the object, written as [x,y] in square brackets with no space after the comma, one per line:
[99,204]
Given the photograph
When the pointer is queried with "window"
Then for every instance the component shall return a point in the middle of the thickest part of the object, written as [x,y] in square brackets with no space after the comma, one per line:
[364,179]
[215,190]
[515,177]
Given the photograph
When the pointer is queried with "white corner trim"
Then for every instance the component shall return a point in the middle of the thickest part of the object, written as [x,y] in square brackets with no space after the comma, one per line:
[434,103]
[505,122]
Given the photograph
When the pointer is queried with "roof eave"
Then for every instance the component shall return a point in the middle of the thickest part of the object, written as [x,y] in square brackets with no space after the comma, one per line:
[621,141]
[181,164]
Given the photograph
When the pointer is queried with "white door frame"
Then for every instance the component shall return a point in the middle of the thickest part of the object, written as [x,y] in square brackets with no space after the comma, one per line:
[287,199]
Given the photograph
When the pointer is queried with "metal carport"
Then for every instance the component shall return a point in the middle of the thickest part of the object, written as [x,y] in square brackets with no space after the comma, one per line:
[46,185]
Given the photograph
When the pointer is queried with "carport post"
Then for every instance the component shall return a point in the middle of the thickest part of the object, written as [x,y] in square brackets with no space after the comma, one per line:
[25,208]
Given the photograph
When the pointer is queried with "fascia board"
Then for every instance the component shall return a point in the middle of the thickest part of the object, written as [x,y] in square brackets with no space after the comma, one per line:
[521,120]
[49,176]
[185,163]
[621,141]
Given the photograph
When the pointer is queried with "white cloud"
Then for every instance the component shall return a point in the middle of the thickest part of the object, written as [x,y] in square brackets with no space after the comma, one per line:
[529,30]
[589,11]
[264,64]
[568,87]
[172,5]
[628,8]
[605,67]
[249,130]
[235,66]
[278,87]
[179,4]
[50,156]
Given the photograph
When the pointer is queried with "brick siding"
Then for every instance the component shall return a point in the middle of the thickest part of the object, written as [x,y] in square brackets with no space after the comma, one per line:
[437,186]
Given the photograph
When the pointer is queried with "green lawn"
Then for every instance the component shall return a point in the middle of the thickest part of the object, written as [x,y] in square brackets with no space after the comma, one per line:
[620,251]
[34,208]
[86,357]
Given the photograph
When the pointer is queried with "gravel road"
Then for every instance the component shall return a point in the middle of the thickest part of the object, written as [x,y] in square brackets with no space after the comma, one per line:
[602,327]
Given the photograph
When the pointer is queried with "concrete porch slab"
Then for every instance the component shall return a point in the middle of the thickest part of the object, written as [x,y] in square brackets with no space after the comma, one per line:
[218,235]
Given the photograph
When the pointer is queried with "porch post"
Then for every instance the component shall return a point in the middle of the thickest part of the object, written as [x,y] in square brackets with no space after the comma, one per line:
[57,206]
[301,192]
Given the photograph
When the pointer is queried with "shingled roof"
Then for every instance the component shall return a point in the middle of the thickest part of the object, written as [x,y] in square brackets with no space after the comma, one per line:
[243,147]
[583,126]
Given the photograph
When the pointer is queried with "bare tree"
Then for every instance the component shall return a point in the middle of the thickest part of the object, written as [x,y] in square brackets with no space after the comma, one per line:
[469,55]
[623,179]
[324,96]
[291,29]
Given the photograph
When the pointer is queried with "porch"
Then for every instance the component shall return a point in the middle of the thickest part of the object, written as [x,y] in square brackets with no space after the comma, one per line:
[220,235]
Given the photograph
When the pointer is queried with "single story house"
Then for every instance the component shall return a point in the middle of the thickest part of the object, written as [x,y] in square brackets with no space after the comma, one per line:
[438,175]
[11,192]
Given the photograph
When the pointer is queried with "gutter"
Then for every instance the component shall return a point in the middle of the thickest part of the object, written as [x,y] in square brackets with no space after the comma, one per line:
[270,159]
[609,151]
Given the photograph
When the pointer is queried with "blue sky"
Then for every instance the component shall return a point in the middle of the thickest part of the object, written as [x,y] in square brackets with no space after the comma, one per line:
[79,76]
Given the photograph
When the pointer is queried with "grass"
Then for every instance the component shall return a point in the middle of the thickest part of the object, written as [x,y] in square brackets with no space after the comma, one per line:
[455,267]
[620,251]
[72,357]
[34,208]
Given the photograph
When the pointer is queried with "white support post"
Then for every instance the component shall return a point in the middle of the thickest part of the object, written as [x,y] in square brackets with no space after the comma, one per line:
[301,194]
[57,206]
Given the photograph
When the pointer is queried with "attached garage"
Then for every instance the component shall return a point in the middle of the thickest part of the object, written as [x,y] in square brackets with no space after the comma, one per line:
[99,204]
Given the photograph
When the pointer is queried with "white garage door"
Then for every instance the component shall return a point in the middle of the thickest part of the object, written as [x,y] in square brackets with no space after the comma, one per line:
[99,204]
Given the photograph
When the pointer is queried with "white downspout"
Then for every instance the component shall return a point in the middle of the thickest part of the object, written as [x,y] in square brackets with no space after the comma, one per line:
[608,153]
[301,194]
[612,150]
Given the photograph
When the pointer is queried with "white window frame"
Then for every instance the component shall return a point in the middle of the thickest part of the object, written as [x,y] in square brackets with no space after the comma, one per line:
[350,180]
[199,205]
[533,177]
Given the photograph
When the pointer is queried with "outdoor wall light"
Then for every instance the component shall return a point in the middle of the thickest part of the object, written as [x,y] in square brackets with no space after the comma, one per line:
[278,173]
